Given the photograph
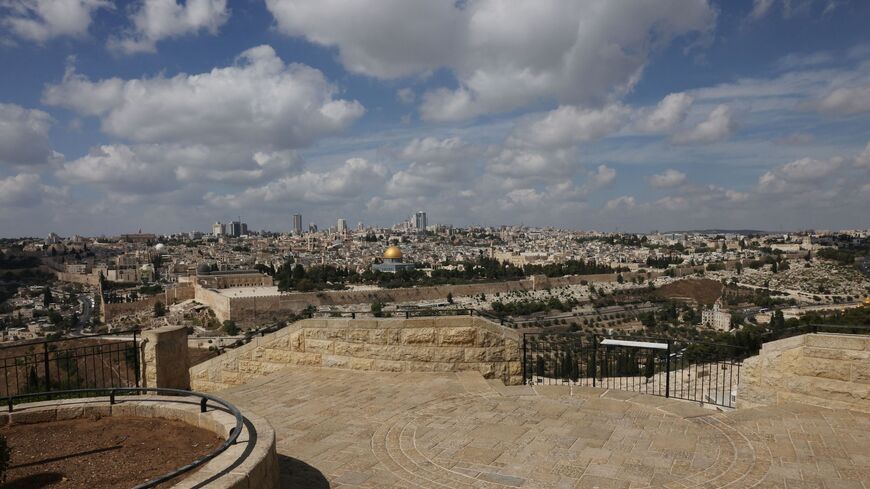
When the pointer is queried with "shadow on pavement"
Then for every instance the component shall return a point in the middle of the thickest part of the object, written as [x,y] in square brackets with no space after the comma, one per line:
[298,474]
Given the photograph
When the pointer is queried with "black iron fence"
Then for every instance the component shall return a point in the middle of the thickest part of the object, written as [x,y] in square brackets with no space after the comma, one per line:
[86,362]
[700,372]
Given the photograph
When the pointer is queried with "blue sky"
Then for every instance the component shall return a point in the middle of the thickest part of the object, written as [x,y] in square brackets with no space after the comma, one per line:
[589,114]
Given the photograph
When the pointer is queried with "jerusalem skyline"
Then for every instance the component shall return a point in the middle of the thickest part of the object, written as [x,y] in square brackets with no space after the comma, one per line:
[674,115]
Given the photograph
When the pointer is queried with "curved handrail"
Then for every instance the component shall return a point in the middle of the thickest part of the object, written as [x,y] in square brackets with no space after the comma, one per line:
[204,398]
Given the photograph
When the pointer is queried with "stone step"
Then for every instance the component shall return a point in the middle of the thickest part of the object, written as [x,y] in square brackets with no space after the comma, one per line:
[474,383]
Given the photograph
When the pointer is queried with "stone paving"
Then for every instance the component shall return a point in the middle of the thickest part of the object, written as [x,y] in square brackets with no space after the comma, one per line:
[350,429]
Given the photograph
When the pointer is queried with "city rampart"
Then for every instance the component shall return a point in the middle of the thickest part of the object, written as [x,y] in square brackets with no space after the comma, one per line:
[255,310]
[435,344]
[829,370]
[172,295]
[79,278]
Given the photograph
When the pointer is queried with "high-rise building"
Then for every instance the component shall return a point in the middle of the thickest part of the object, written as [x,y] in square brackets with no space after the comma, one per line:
[297,224]
[420,221]
[218,229]
[341,226]
[234,229]
[244,230]
[312,228]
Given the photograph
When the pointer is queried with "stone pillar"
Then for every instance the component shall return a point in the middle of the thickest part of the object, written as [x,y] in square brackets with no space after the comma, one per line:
[165,360]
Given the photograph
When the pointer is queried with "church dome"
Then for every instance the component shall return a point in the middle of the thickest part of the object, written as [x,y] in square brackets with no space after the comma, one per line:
[393,252]
[203,268]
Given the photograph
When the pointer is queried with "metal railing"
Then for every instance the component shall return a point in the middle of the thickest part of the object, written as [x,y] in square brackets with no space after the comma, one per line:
[93,361]
[701,372]
[113,393]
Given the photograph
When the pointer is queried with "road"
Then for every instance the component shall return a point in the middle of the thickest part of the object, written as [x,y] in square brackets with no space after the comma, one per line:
[87,302]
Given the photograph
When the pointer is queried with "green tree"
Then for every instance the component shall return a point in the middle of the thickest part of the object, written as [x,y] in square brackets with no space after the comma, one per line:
[619,278]
[377,309]
[46,296]
[159,309]
[450,297]
[230,327]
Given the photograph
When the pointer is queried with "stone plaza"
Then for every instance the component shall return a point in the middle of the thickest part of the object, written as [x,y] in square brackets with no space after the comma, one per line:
[362,429]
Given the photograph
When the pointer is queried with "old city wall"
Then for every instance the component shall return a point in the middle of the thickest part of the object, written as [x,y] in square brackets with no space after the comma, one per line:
[828,370]
[78,278]
[173,295]
[441,344]
[218,303]
[255,310]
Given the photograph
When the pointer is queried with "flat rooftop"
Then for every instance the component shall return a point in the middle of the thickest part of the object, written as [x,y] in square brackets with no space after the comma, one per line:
[351,429]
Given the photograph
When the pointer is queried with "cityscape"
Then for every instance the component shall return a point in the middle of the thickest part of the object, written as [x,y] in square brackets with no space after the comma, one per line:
[434,244]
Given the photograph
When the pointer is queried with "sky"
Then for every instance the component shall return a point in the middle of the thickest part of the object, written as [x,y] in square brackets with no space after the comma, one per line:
[169,115]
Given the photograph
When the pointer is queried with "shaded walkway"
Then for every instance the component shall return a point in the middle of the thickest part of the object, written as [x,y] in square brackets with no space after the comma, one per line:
[382,430]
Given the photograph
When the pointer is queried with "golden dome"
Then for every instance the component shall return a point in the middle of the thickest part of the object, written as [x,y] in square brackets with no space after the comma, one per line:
[867,302]
[393,252]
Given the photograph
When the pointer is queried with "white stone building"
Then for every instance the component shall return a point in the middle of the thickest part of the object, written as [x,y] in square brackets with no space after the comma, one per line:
[716,318]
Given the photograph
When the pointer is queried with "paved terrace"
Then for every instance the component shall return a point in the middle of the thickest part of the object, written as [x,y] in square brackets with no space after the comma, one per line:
[350,429]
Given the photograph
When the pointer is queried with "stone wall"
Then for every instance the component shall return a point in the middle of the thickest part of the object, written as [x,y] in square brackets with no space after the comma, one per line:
[828,370]
[440,344]
[172,295]
[250,311]
[250,463]
[165,358]
[78,278]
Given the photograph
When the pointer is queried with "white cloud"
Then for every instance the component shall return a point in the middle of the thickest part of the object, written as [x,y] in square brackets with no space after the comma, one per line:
[43,20]
[667,179]
[569,125]
[624,202]
[808,169]
[846,101]
[436,165]
[406,95]
[259,100]
[155,20]
[118,168]
[353,179]
[863,159]
[799,175]
[789,8]
[24,136]
[27,190]
[145,169]
[434,149]
[527,164]
[592,50]
[718,126]
[673,203]
[671,111]
[600,177]
[760,8]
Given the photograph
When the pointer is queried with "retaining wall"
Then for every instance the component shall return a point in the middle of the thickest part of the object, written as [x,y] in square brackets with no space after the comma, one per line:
[252,463]
[440,344]
[250,311]
[172,295]
[829,370]
[78,278]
